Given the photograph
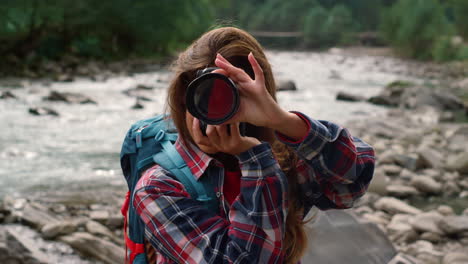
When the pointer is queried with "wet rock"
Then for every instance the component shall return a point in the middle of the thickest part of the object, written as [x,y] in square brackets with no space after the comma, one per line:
[459,163]
[64,78]
[41,111]
[138,91]
[56,229]
[426,184]
[390,96]
[460,257]
[394,206]
[344,96]
[138,105]
[7,95]
[427,222]
[401,191]
[95,247]
[67,97]
[287,85]
[453,225]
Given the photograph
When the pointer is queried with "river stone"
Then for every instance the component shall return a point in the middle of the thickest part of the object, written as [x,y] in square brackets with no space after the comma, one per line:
[36,215]
[95,247]
[100,216]
[378,183]
[454,225]
[41,111]
[445,210]
[68,97]
[407,175]
[456,257]
[100,230]
[428,158]
[426,184]
[7,95]
[391,170]
[55,229]
[345,96]
[286,85]
[15,247]
[431,237]
[427,222]
[459,163]
[394,206]
[401,191]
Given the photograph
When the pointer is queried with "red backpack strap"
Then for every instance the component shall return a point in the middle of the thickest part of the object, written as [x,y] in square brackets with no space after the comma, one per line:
[135,248]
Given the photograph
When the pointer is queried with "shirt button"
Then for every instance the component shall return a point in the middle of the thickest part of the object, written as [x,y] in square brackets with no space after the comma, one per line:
[218,194]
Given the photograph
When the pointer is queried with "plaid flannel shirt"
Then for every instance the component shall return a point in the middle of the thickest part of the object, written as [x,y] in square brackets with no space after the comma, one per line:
[334,170]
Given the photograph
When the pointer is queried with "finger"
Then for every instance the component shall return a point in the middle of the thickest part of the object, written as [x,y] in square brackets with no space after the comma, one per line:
[220,71]
[199,138]
[223,132]
[256,67]
[212,135]
[235,131]
[236,74]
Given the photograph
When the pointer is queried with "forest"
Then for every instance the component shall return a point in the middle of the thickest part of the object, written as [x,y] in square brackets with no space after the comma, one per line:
[34,31]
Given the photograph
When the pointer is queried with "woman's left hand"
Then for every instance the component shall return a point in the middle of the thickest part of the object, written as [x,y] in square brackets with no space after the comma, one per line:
[257,106]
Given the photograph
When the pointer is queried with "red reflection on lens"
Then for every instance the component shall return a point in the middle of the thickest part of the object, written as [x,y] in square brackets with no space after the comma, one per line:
[221,100]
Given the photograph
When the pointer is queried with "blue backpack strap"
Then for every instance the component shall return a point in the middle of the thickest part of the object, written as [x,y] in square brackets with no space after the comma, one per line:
[170,159]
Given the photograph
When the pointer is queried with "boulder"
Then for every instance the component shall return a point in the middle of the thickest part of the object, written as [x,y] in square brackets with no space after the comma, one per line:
[100,230]
[287,85]
[345,96]
[445,210]
[459,257]
[394,206]
[426,184]
[428,158]
[459,163]
[68,97]
[453,225]
[56,229]
[431,237]
[95,247]
[7,95]
[41,111]
[18,248]
[427,222]
[100,216]
[36,215]
[401,191]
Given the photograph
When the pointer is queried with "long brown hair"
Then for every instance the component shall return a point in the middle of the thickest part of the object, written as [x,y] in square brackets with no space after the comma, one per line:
[235,44]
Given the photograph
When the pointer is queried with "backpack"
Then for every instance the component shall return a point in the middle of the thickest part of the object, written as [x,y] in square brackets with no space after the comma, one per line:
[148,142]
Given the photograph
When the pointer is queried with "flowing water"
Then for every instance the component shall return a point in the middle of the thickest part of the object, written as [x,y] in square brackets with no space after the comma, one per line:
[80,148]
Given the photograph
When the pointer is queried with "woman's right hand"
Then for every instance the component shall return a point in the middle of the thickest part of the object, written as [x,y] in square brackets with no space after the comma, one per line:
[223,138]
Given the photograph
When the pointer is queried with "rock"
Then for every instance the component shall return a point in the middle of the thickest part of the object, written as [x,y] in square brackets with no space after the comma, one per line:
[407,161]
[427,222]
[456,258]
[36,215]
[426,184]
[138,105]
[391,170]
[95,247]
[100,230]
[457,139]
[335,75]
[99,216]
[428,158]
[376,218]
[17,248]
[41,111]
[394,206]
[378,183]
[115,221]
[453,225]
[431,237]
[7,95]
[138,91]
[287,85]
[390,96]
[399,229]
[445,210]
[459,163]
[401,191]
[64,78]
[55,229]
[344,96]
[407,175]
[68,97]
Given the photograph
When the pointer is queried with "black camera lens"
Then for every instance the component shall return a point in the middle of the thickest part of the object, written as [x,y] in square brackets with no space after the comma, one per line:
[213,98]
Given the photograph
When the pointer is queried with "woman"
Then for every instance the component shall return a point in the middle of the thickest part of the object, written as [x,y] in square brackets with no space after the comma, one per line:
[266,181]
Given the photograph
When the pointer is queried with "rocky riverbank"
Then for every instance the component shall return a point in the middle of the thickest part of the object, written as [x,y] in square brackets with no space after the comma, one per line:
[419,195]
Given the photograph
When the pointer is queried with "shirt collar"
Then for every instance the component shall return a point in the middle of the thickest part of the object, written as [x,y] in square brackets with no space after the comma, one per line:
[197,160]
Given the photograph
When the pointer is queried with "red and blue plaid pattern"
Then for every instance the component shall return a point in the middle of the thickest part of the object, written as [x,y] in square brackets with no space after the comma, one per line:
[335,169]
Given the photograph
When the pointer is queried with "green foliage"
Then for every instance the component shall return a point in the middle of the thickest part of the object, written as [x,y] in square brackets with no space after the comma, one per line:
[314,35]
[414,27]
[460,8]
[102,29]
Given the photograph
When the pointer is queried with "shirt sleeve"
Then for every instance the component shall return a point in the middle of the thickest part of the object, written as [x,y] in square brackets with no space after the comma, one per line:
[186,232]
[335,168]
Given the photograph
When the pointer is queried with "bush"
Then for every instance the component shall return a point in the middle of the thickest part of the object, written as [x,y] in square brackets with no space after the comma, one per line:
[414,27]
[460,9]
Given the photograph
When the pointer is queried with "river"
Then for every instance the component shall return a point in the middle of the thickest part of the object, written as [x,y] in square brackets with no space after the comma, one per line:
[80,148]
